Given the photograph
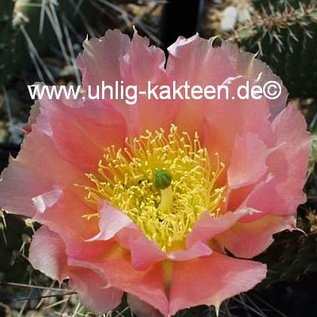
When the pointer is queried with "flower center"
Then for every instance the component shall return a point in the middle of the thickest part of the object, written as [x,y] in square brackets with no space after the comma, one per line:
[163,182]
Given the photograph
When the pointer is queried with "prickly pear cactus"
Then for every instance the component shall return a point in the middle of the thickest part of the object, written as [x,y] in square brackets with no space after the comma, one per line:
[10,42]
[280,4]
[292,257]
[30,28]
[14,240]
[21,41]
[284,33]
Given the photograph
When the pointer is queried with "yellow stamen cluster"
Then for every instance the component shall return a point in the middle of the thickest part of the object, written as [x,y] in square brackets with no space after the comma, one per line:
[162,182]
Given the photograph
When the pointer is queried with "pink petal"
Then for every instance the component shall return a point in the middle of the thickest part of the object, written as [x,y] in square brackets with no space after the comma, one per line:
[207,226]
[80,130]
[84,250]
[47,200]
[30,175]
[245,168]
[236,197]
[140,308]
[190,60]
[66,217]
[36,149]
[196,250]
[45,191]
[248,240]
[258,200]
[284,177]
[101,58]
[147,285]
[93,290]
[212,279]
[15,181]
[143,61]
[47,254]
[114,223]
[255,69]
[114,58]
[195,60]
[144,64]
[144,253]
[34,112]
[111,222]
[294,142]
[221,128]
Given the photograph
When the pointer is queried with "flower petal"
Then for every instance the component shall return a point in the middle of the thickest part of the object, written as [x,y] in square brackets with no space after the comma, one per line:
[221,128]
[258,71]
[192,59]
[258,200]
[196,250]
[111,222]
[290,130]
[209,117]
[27,183]
[247,240]
[245,168]
[47,200]
[47,254]
[141,308]
[212,279]
[147,285]
[131,63]
[80,130]
[69,209]
[143,61]
[114,223]
[100,59]
[31,176]
[144,253]
[196,60]
[284,176]
[207,226]
[93,290]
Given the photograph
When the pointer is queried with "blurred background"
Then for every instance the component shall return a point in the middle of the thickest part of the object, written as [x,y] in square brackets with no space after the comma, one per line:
[39,41]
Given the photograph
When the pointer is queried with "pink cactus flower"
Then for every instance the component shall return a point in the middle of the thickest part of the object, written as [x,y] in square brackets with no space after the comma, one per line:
[149,198]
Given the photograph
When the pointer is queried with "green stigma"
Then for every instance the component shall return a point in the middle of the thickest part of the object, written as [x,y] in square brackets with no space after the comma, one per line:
[161,178]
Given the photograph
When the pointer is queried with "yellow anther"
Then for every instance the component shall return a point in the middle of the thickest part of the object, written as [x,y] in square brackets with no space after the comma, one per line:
[162,181]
